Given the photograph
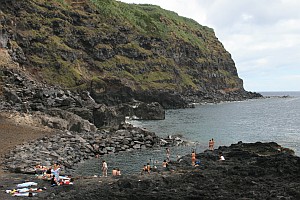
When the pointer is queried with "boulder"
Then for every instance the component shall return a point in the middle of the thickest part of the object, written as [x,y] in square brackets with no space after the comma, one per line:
[104,116]
[74,122]
[11,96]
[149,111]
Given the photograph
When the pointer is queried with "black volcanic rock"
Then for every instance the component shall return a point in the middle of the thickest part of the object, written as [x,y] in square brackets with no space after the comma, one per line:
[250,171]
[143,111]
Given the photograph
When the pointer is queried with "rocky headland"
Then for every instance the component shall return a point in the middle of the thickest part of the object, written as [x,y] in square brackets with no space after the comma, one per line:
[72,72]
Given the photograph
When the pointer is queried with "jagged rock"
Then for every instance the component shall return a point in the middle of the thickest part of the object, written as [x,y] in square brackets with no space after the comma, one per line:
[54,122]
[85,113]
[104,116]
[71,147]
[166,99]
[149,111]
[11,96]
[74,122]
[265,173]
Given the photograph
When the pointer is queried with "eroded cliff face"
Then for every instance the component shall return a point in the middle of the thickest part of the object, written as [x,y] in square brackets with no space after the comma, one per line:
[119,52]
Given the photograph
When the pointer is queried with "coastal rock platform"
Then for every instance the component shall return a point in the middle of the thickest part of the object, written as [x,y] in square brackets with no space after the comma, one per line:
[249,171]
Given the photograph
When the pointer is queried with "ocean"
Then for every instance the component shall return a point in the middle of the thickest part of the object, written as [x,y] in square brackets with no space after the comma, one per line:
[275,118]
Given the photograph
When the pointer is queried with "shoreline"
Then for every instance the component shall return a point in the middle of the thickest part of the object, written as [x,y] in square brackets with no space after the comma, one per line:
[267,170]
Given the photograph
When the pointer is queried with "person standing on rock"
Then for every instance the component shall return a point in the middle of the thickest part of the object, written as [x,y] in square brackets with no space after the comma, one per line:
[193,157]
[104,168]
[210,145]
[168,154]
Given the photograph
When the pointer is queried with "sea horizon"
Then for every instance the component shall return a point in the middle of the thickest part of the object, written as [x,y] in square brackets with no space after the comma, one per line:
[280,93]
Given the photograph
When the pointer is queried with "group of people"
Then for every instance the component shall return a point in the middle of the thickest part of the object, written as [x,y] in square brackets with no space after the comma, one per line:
[48,172]
[148,168]
[52,173]
[211,143]
[55,171]
[115,171]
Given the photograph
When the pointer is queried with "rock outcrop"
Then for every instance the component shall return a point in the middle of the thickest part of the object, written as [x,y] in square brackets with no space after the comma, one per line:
[249,171]
[63,109]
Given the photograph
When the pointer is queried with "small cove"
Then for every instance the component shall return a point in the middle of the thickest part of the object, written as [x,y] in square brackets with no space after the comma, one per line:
[270,119]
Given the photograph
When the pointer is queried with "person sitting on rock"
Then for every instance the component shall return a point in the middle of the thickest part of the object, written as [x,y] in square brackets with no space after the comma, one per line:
[193,157]
[144,169]
[197,163]
[55,171]
[39,169]
[114,172]
[48,173]
[148,168]
[53,181]
[118,172]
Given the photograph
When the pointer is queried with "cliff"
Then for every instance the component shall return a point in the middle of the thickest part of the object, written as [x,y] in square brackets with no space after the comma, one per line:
[119,52]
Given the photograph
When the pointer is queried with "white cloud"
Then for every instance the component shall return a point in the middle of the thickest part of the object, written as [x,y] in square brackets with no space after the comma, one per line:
[262,36]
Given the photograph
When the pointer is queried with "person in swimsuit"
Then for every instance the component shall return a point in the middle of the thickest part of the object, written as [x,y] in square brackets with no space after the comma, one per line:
[55,171]
[104,168]
[48,173]
[118,172]
[148,168]
[145,169]
[53,181]
[165,164]
[168,154]
[193,157]
[114,172]
[212,144]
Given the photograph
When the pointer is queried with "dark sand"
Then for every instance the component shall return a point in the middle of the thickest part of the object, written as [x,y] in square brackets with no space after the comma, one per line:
[13,133]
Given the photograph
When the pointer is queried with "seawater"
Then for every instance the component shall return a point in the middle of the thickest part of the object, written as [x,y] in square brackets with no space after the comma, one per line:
[270,119]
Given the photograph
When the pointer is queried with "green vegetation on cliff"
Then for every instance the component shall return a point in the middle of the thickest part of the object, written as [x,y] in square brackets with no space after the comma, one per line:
[72,42]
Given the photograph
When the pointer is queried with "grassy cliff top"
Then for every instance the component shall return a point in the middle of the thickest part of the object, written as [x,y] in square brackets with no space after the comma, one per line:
[73,42]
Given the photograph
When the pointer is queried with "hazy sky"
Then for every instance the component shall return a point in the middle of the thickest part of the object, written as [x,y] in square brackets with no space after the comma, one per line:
[263,37]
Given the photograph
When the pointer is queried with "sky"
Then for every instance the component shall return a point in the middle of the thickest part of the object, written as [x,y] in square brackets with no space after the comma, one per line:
[262,36]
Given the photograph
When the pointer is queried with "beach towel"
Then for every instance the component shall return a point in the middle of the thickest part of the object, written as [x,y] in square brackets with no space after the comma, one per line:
[26,194]
[26,184]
